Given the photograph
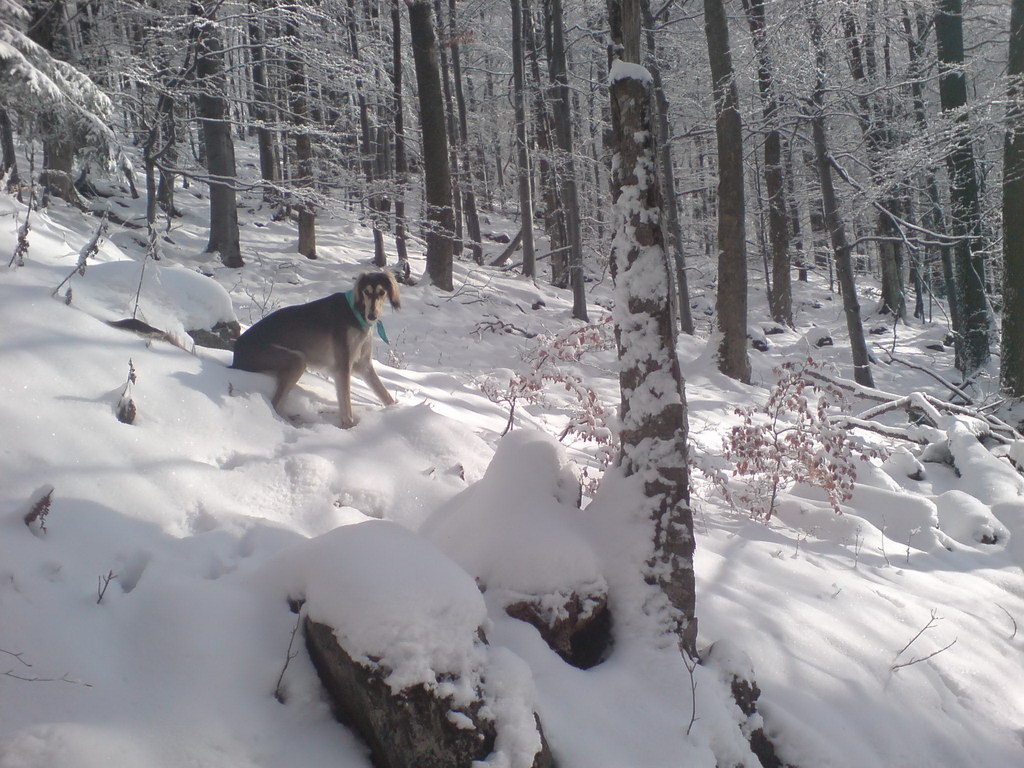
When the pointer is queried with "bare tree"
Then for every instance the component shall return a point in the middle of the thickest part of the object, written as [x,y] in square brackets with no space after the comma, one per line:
[731,303]
[1012,362]
[437,172]
[780,297]
[654,428]
[972,338]
[563,135]
[215,120]
[522,147]
[830,204]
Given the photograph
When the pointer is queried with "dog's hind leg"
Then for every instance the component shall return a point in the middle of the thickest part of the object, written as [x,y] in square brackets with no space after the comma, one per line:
[291,365]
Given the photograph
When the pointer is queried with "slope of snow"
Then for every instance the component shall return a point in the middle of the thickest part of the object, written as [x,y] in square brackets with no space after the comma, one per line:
[210,510]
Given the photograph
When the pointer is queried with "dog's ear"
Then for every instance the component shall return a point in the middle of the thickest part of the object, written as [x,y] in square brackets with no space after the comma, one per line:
[392,286]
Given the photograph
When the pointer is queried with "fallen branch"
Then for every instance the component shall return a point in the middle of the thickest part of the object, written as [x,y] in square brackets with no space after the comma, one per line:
[944,382]
[927,407]
[103,583]
[885,430]
[507,253]
[868,393]
[500,326]
[931,623]
[923,658]
[1012,620]
[36,679]
[279,693]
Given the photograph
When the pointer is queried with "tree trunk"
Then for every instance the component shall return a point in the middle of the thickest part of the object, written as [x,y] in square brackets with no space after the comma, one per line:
[879,146]
[368,149]
[168,152]
[262,109]
[553,218]
[401,163]
[469,210]
[523,151]
[972,337]
[653,434]
[57,176]
[211,106]
[437,172]
[670,206]
[731,303]
[303,178]
[1012,361]
[453,132]
[780,297]
[833,220]
[932,217]
[563,135]
[9,169]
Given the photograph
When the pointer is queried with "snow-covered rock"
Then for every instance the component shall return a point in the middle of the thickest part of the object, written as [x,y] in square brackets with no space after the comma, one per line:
[515,531]
[396,631]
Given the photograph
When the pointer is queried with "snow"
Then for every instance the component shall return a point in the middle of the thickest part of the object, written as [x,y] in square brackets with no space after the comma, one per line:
[210,511]
[623,70]
[517,531]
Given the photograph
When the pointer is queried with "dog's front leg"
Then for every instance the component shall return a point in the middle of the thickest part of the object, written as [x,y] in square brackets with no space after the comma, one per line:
[343,387]
[370,377]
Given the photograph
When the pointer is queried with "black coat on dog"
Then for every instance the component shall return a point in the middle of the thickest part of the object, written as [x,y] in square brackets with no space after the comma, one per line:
[334,334]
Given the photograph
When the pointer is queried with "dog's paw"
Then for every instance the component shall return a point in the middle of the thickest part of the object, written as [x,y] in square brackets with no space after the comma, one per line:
[348,423]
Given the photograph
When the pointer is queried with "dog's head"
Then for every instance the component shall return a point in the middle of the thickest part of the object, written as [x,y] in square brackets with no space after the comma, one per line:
[372,288]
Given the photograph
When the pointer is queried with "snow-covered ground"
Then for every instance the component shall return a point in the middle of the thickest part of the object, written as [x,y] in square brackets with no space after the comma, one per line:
[210,509]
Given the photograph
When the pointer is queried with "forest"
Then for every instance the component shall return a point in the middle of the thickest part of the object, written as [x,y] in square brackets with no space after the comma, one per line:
[706,444]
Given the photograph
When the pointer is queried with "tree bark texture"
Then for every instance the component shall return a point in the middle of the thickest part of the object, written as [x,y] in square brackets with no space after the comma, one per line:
[469,208]
[670,206]
[9,168]
[653,406]
[401,163]
[780,298]
[563,135]
[932,217]
[879,141]
[833,220]
[1012,361]
[731,302]
[303,179]
[437,172]
[262,109]
[212,109]
[522,147]
[972,337]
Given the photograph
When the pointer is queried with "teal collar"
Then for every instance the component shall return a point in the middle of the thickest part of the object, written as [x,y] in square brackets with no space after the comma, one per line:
[350,297]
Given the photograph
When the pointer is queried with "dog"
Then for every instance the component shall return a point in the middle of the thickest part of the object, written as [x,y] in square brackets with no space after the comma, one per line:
[334,334]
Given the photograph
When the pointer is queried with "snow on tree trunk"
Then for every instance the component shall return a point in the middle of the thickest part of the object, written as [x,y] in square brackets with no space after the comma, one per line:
[653,411]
